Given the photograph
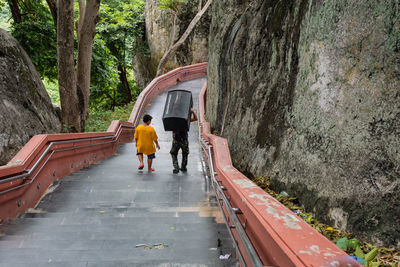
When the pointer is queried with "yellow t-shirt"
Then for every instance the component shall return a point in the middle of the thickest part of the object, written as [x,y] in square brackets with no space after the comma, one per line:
[145,137]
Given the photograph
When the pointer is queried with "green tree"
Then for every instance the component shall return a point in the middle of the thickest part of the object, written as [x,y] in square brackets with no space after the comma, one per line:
[119,25]
[104,79]
[121,22]
[74,83]
[33,27]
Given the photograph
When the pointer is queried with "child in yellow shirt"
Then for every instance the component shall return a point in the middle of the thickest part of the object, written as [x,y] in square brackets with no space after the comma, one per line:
[146,137]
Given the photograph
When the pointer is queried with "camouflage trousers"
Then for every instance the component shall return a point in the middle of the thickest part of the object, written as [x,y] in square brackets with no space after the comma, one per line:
[176,145]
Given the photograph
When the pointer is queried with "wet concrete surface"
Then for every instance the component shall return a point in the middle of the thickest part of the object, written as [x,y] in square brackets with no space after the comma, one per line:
[112,214]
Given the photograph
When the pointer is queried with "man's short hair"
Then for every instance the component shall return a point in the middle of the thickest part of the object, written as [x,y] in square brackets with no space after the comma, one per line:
[147,118]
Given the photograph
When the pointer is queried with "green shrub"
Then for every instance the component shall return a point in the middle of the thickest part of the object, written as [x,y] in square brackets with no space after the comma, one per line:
[100,119]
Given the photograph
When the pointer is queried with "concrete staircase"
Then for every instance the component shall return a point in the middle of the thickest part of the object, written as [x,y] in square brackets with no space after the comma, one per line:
[111,214]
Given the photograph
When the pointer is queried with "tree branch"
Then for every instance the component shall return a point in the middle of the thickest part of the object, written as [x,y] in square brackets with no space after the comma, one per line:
[172,49]
[53,9]
[15,12]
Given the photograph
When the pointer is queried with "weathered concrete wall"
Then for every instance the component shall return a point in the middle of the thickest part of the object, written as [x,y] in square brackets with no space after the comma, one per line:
[25,106]
[308,93]
[159,38]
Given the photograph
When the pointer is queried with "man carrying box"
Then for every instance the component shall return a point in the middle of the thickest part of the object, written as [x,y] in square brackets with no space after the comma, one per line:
[180,141]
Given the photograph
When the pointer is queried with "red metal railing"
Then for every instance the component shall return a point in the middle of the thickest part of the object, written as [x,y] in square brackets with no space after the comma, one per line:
[47,158]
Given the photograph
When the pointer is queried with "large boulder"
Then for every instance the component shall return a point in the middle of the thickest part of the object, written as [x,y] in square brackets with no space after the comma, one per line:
[25,106]
[308,93]
[159,36]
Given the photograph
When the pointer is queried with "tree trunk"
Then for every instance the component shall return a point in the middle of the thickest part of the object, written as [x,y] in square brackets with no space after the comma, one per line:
[53,9]
[82,7]
[121,70]
[87,30]
[66,72]
[125,83]
[15,12]
[172,49]
[172,37]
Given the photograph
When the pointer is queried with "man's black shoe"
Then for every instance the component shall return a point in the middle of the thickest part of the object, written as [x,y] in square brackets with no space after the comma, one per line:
[184,169]
[175,171]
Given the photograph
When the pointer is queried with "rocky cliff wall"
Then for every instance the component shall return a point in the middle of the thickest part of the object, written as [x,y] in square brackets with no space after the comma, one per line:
[308,93]
[159,37]
[25,106]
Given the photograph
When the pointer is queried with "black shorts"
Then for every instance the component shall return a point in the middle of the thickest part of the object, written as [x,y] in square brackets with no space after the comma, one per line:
[151,156]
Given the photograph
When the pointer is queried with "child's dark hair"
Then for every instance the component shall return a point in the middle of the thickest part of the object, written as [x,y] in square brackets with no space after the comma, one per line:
[147,118]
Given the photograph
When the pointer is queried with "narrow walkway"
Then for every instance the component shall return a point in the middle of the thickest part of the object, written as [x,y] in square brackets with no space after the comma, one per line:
[99,215]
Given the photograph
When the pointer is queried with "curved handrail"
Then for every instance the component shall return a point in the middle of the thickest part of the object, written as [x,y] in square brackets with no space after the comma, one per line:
[162,82]
[49,149]
[253,257]
[47,158]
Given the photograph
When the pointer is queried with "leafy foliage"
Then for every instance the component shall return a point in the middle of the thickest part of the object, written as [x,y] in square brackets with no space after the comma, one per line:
[52,90]
[120,23]
[37,35]
[171,4]
[104,78]
[100,119]
[4,16]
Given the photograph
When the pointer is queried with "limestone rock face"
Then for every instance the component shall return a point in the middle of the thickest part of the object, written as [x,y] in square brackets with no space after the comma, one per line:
[159,36]
[308,93]
[25,106]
